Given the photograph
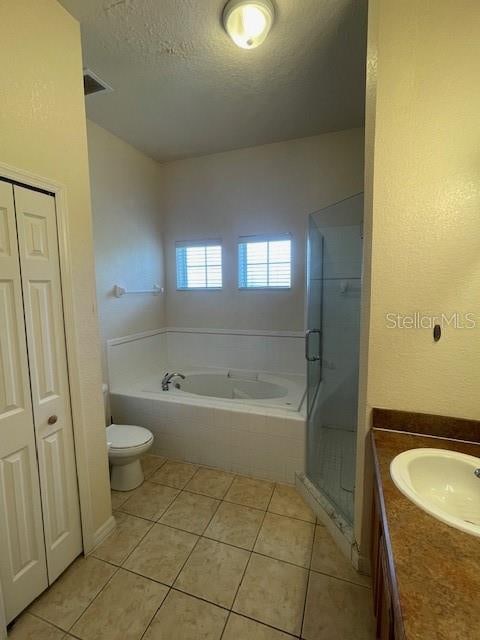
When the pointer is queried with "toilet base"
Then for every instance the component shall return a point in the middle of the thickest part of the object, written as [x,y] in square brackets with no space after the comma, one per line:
[125,477]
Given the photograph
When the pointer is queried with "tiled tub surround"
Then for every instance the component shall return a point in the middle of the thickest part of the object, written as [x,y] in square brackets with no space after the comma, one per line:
[200,554]
[264,443]
[255,439]
[139,355]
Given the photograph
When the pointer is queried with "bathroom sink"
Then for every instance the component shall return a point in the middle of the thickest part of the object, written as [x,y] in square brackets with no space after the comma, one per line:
[442,483]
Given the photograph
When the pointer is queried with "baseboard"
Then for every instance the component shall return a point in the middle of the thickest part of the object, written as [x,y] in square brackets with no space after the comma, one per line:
[102,532]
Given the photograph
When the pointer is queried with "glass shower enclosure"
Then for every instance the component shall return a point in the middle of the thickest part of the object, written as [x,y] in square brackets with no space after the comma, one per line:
[332,340]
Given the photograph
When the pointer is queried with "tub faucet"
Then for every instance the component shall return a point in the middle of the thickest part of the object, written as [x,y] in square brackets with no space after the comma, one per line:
[168,377]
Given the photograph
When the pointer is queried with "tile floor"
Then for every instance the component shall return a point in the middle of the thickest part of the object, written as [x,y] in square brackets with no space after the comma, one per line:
[199,554]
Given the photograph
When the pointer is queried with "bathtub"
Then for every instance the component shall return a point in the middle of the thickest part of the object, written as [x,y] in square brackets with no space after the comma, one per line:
[239,387]
[245,422]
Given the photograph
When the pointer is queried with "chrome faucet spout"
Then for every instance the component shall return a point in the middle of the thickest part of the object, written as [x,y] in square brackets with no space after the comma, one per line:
[168,377]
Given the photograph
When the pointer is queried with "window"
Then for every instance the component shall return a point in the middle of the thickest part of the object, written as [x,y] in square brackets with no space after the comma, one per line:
[265,262]
[199,265]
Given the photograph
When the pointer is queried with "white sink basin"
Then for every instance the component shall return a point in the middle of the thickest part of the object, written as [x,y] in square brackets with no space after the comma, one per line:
[442,483]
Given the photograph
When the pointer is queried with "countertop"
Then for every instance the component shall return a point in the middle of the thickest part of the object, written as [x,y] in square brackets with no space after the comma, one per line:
[437,567]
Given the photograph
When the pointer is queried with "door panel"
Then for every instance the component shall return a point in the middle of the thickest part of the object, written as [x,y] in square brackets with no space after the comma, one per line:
[23,570]
[16,476]
[57,482]
[43,331]
[37,233]
[11,392]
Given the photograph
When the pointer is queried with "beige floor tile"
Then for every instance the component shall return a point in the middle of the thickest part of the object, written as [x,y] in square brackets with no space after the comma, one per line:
[327,558]
[190,512]
[286,539]
[250,492]
[273,592]
[30,628]
[213,572]
[240,628]
[119,497]
[337,610]
[210,482]
[286,501]
[151,463]
[127,534]
[185,618]
[235,524]
[123,610]
[174,474]
[150,501]
[162,553]
[65,601]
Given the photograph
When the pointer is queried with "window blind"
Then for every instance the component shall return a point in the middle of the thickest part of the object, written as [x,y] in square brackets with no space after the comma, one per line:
[265,262]
[199,265]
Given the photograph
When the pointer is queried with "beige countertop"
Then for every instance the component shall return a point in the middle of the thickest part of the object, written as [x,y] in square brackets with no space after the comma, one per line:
[437,567]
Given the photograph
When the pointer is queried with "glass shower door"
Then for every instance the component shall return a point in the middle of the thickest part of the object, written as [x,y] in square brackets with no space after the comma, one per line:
[313,334]
[334,259]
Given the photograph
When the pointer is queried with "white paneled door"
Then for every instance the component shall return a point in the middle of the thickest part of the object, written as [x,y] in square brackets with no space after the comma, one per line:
[23,569]
[42,298]
[40,532]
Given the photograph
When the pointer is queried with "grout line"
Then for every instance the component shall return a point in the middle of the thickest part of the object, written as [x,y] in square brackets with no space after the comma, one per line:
[155,612]
[197,597]
[199,537]
[166,524]
[229,544]
[293,517]
[162,511]
[169,587]
[35,615]
[263,624]
[142,575]
[307,586]
[250,557]
[229,611]
[331,575]
[92,601]
[135,546]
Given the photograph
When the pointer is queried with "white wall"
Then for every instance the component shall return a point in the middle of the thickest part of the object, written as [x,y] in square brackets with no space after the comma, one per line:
[127,227]
[265,189]
[42,131]
[422,207]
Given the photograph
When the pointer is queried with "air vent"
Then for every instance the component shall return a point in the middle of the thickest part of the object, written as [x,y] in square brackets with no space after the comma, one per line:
[93,84]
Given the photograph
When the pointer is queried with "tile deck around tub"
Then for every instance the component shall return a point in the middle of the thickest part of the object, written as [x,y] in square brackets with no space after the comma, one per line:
[200,554]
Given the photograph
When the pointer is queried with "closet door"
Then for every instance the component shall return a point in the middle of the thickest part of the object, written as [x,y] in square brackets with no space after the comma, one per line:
[23,572]
[40,272]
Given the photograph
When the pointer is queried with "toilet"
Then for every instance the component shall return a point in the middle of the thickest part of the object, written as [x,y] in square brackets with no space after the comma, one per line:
[126,444]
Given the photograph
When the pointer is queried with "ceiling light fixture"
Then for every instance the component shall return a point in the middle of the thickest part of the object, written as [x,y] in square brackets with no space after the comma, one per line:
[248,22]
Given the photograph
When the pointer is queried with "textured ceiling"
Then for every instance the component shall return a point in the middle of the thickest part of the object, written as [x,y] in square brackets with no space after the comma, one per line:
[182,88]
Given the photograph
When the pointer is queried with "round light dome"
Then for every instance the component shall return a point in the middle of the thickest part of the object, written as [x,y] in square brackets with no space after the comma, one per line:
[248,22]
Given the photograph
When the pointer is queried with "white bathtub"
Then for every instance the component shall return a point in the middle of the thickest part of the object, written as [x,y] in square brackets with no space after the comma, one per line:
[239,387]
[261,434]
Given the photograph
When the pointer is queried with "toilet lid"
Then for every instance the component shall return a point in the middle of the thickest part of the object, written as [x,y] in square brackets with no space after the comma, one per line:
[123,436]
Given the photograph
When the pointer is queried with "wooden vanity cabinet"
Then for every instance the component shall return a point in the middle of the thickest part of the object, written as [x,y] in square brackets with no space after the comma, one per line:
[389,624]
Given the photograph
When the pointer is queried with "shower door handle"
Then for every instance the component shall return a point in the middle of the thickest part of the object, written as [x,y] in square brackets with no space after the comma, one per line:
[309,333]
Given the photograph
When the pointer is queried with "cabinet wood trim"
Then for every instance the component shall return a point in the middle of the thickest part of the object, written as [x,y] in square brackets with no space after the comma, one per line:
[384,548]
